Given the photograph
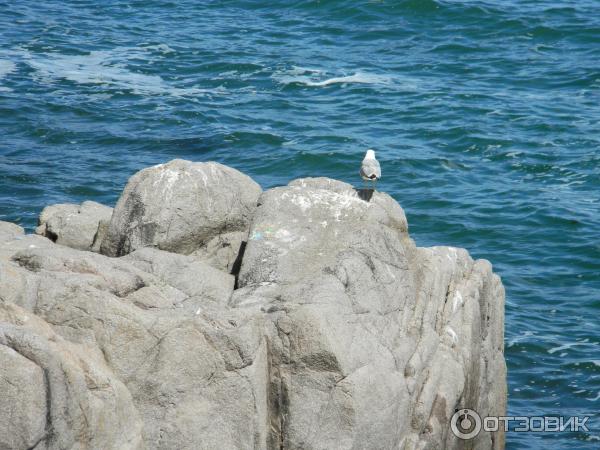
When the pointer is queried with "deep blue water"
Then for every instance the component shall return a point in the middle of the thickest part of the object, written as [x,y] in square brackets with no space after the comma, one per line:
[485,116]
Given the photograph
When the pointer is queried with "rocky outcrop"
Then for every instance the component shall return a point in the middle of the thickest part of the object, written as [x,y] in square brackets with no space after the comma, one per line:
[76,226]
[335,330]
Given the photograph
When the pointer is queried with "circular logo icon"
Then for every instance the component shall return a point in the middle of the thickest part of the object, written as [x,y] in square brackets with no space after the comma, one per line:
[465,424]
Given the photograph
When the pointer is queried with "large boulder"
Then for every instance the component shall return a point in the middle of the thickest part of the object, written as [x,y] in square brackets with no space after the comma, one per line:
[75,226]
[377,341]
[180,207]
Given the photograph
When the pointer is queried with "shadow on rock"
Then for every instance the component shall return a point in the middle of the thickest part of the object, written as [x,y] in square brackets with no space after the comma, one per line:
[365,194]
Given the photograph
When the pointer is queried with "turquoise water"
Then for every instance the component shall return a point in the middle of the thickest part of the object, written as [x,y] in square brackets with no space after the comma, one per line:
[485,116]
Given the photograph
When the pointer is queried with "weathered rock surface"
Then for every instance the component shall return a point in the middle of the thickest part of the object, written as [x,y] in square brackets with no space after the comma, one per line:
[57,395]
[191,276]
[75,226]
[180,207]
[341,332]
[223,250]
[378,340]
[10,231]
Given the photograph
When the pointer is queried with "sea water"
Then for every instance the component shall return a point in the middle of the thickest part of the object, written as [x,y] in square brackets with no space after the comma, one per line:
[484,114]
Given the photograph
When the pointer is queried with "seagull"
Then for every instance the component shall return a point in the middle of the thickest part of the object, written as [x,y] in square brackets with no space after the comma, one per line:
[370,169]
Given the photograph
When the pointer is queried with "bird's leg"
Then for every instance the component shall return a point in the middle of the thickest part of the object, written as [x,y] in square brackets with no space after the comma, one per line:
[375,184]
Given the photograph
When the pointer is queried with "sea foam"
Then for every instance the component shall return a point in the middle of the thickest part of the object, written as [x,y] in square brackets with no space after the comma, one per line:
[108,68]
[6,67]
[315,78]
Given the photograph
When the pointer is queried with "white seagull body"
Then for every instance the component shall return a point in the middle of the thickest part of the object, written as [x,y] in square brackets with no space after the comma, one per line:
[370,169]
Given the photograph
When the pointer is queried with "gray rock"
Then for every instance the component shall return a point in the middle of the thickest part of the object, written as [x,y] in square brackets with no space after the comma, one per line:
[23,401]
[114,276]
[378,341]
[157,319]
[56,395]
[100,234]
[188,274]
[224,251]
[74,226]
[179,207]
[9,231]
[17,285]
[342,333]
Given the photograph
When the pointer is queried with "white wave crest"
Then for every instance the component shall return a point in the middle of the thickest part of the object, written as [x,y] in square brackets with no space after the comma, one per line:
[294,77]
